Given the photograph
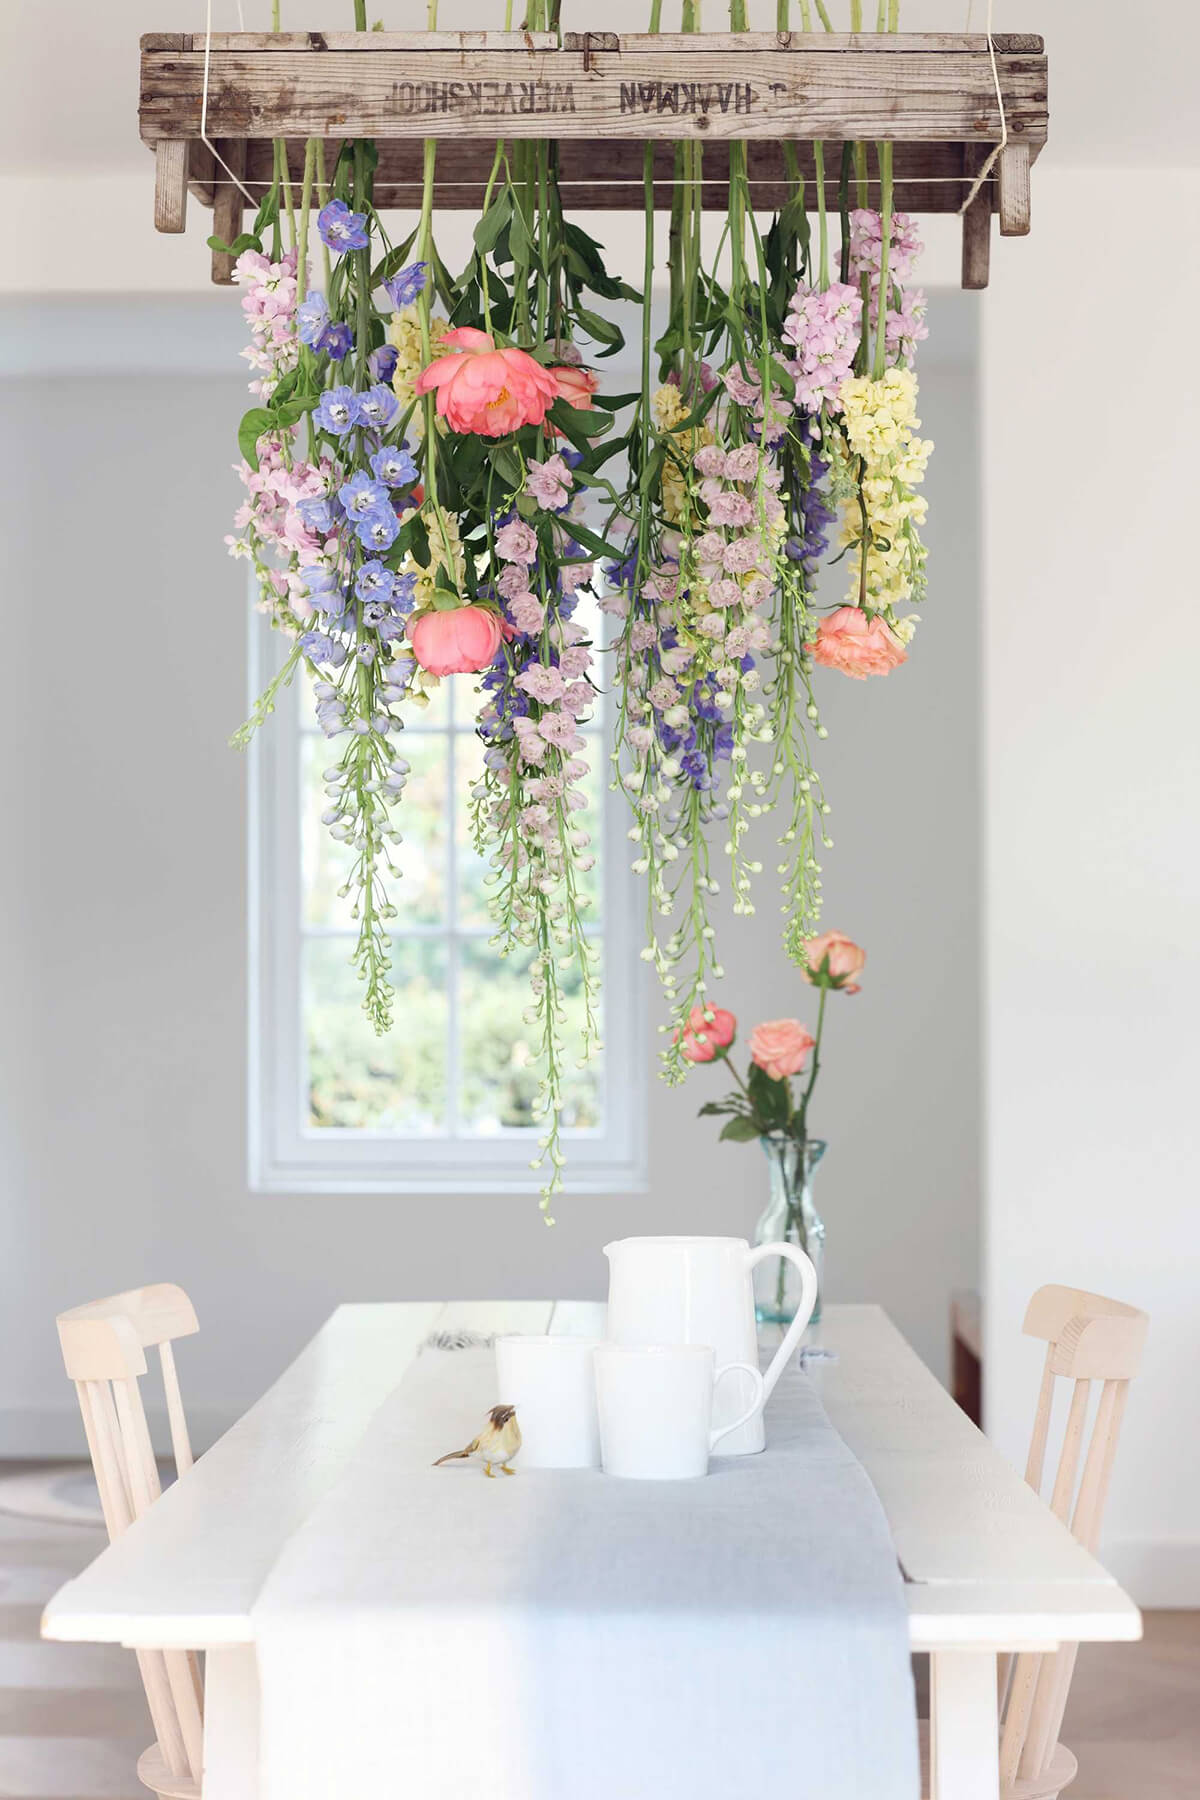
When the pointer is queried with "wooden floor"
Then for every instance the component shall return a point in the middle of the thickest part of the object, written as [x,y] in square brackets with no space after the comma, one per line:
[73,1721]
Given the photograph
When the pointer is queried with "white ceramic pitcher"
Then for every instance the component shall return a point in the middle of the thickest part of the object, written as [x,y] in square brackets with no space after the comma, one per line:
[700,1290]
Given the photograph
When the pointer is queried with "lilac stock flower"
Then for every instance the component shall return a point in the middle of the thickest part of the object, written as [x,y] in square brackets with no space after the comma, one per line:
[361,496]
[312,318]
[394,465]
[403,288]
[337,411]
[337,342]
[374,582]
[340,228]
[381,363]
[318,514]
[378,407]
[378,530]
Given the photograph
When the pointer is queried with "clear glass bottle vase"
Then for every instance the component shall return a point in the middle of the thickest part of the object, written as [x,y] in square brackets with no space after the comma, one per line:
[791,1216]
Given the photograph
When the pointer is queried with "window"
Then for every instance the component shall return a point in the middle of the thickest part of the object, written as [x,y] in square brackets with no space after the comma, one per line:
[443,1103]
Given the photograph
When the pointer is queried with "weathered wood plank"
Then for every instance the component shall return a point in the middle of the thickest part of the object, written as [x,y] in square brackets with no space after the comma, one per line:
[921,97]
[894,43]
[170,184]
[317,41]
[976,233]
[228,205]
[1012,169]
[606,175]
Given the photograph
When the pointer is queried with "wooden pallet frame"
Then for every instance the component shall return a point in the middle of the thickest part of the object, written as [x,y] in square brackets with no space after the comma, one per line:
[601,97]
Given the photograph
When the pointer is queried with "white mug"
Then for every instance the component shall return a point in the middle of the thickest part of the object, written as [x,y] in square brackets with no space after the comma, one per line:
[655,1403]
[551,1382]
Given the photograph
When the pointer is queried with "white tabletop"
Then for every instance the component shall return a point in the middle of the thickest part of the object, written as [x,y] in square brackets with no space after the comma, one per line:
[986,1564]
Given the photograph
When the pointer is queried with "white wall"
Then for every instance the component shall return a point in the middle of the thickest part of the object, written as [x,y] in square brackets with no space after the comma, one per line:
[122,912]
[1092,888]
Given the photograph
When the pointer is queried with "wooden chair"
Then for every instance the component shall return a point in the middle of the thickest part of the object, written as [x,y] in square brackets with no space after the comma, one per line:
[104,1347]
[1087,1338]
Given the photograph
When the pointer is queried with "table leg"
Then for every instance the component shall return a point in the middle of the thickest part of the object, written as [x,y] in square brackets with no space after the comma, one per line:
[964,1758]
[231,1724]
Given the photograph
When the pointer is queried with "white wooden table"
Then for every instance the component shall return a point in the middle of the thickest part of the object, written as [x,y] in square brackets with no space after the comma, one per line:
[987,1567]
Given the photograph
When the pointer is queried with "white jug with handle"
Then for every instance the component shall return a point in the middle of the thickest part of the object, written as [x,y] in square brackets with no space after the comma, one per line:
[700,1290]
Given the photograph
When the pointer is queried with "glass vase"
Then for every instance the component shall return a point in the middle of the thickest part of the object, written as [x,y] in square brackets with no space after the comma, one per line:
[791,1216]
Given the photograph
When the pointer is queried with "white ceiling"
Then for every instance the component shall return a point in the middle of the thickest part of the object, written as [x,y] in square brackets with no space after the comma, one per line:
[1123,83]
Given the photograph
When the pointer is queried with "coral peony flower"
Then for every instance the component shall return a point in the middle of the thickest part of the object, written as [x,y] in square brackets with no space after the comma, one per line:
[455,642]
[703,1037]
[858,646]
[844,957]
[780,1047]
[575,386]
[487,391]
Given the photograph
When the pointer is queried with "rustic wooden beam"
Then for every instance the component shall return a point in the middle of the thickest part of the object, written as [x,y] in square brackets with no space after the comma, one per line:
[863,88]
[976,231]
[227,206]
[1012,171]
[170,184]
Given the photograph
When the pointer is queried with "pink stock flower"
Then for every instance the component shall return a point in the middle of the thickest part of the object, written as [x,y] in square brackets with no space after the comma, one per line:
[517,542]
[832,960]
[703,1037]
[528,613]
[484,390]
[710,460]
[847,640]
[456,642]
[731,509]
[549,482]
[780,1047]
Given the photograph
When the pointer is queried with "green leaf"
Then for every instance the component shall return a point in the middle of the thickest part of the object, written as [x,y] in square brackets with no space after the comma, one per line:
[394,261]
[739,1131]
[577,424]
[246,241]
[503,459]
[768,1097]
[291,410]
[602,330]
[488,229]
[255,424]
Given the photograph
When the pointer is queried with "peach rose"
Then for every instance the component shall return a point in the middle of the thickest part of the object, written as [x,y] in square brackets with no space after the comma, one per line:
[576,386]
[846,960]
[848,641]
[780,1047]
[487,391]
[702,1037]
[456,642]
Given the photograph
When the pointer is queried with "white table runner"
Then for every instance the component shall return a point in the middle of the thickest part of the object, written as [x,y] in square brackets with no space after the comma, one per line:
[568,1636]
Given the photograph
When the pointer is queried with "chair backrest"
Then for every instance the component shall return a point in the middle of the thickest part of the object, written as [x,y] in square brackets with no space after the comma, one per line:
[1088,1339]
[104,1346]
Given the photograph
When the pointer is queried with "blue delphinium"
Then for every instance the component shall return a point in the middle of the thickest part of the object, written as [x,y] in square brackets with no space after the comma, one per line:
[381,364]
[318,579]
[321,648]
[318,513]
[394,465]
[378,407]
[402,289]
[378,530]
[340,228]
[404,592]
[337,411]
[312,318]
[361,496]
[373,581]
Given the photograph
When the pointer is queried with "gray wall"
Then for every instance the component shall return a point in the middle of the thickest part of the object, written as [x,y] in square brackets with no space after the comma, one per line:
[122,946]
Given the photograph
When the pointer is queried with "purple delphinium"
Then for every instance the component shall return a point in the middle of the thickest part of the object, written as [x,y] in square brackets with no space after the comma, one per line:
[402,289]
[318,578]
[381,364]
[337,411]
[378,407]
[337,342]
[342,229]
[394,465]
[404,592]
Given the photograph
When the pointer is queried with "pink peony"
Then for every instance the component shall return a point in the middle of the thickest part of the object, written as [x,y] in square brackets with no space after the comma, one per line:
[858,646]
[780,1047]
[455,642]
[703,1037]
[845,957]
[487,391]
[575,386]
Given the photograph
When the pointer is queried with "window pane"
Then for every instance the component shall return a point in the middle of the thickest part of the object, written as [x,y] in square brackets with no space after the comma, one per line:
[420,892]
[497,1051]
[355,1079]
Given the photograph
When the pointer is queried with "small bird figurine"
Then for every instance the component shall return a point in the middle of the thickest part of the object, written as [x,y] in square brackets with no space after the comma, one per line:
[498,1442]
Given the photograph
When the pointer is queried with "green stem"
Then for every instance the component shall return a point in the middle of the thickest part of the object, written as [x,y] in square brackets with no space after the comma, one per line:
[816,1064]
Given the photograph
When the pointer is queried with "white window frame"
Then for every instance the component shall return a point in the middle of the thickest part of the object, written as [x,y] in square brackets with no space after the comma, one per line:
[287,1156]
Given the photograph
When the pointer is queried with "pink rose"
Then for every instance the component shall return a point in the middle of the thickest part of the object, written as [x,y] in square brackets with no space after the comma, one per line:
[780,1047]
[703,1037]
[455,642]
[487,391]
[848,641]
[845,960]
